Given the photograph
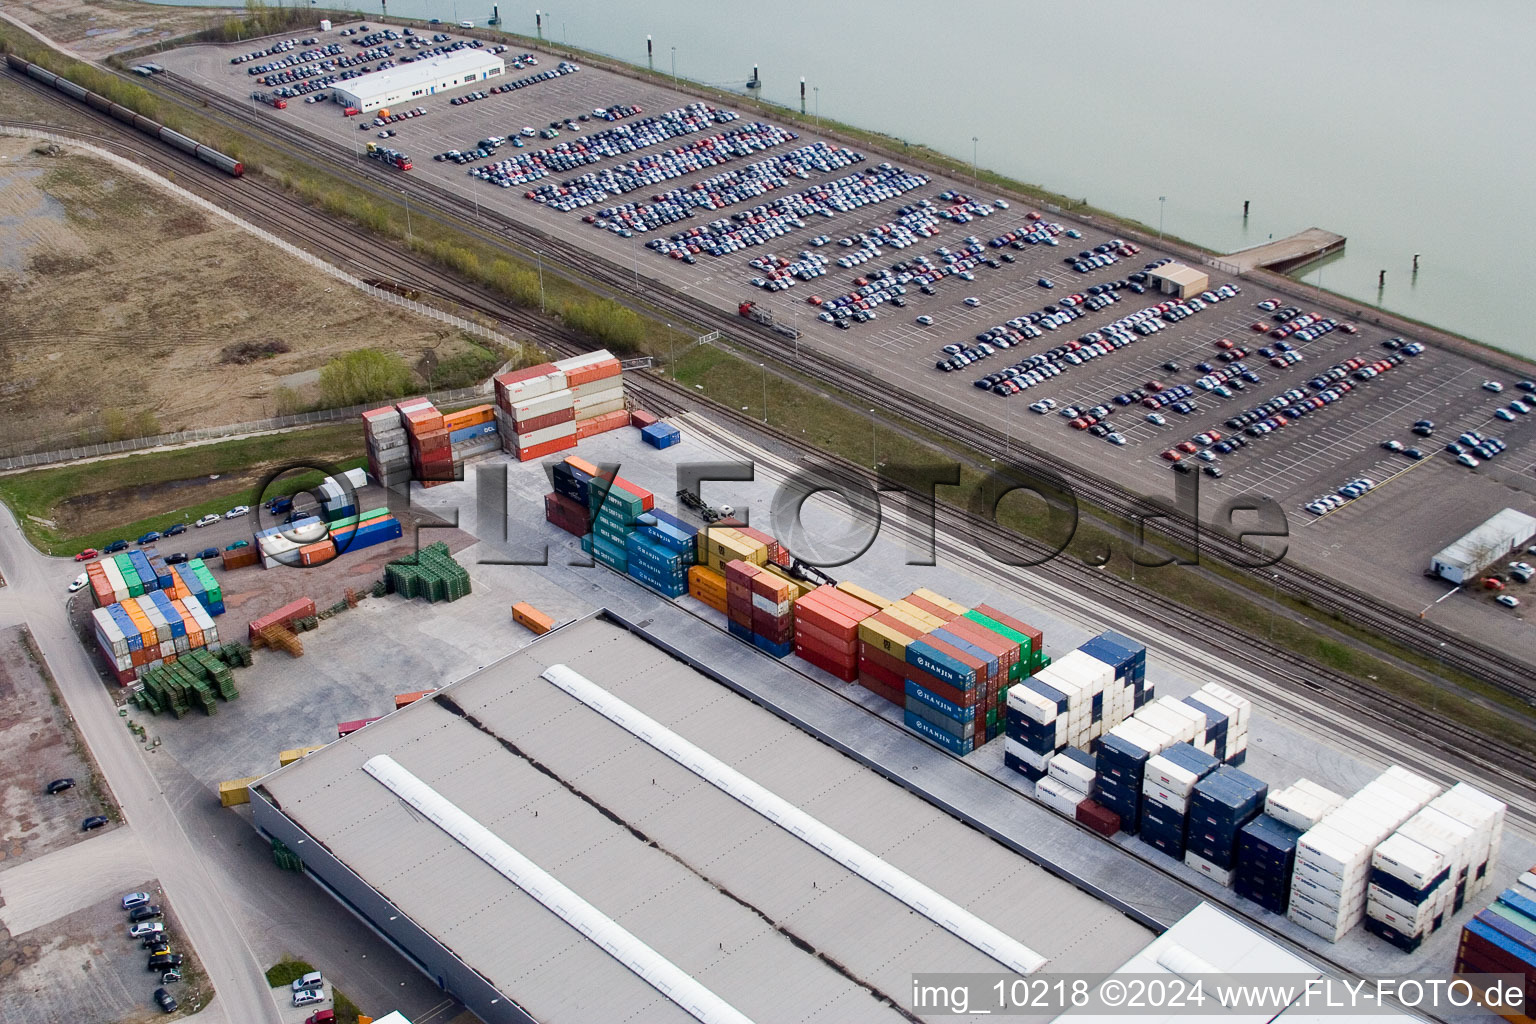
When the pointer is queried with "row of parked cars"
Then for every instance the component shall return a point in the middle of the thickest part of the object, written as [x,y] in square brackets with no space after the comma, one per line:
[603,144]
[741,142]
[144,924]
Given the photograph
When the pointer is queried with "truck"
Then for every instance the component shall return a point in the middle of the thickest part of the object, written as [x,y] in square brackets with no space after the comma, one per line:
[752,311]
[710,515]
[392,157]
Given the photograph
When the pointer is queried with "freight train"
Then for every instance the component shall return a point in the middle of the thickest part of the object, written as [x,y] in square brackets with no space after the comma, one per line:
[228,164]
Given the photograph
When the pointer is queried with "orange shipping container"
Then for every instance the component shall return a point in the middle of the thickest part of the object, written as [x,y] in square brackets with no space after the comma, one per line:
[404,699]
[468,417]
[576,462]
[318,553]
[525,614]
[593,371]
[601,424]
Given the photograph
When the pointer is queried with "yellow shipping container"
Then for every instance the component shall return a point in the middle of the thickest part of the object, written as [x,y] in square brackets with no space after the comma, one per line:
[869,597]
[917,615]
[287,757]
[878,634]
[526,615]
[940,600]
[721,544]
[236,791]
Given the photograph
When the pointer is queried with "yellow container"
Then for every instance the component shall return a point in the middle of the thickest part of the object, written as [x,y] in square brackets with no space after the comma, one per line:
[940,600]
[287,757]
[708,586]
[878,634]
[869,597]
[916,615]
[798,588]
[526,615]
[236,791]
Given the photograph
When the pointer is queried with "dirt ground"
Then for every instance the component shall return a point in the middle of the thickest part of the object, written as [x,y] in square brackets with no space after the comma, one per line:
[96,29]
[121,301]
[38,744]
[83,967]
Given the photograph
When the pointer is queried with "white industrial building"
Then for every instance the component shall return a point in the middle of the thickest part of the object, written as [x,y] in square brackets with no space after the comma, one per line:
[1177,279]
[591,830]
[407,82]
[1484,546]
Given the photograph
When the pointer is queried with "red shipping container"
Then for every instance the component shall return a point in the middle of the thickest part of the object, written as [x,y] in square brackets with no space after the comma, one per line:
[593,371]
[881,674]
[808,629]
[1006,652]
[641,418]
[875,656]
[851,606]
[538,451]
[602,424]
[928,606]
[838,631]
[303,608]
[776,553]
[554,503]
[895,694]
[549,419]
[807,647]
[1036,638]
[847,673]
[647,499]
[887,619]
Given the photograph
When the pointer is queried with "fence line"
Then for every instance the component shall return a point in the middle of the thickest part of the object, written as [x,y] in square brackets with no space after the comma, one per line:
[279,422]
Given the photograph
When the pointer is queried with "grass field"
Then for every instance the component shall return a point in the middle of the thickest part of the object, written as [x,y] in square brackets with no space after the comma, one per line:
[93,503]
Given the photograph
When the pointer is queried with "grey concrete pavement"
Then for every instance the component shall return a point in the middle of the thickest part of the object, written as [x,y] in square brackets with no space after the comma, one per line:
[172,857]
[43,890]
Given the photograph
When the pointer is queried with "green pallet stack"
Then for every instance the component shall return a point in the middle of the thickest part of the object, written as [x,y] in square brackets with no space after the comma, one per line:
[431,573]
[197,678]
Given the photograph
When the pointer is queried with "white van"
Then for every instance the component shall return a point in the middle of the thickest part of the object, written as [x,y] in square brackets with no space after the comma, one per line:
[466,24]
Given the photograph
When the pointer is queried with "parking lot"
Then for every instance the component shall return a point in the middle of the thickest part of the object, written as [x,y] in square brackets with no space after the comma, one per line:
[1382,542]
[40,746]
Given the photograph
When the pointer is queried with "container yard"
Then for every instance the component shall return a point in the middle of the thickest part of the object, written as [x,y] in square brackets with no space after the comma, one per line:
[843,228]
[1158,766]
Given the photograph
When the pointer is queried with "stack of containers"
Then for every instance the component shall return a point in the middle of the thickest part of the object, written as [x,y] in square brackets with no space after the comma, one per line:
[1168,783]
[827,630]
[1062,705]
[1129,660]
[471,432]
[1333,858]
[708,586]
[759,608]
[144,631]
[280,545]
[883,639]
[1123,755]
[534,414]
[195,579]
[1069,782]
[1501,939]
[376,526]
[1266,849]
[661,551]
[1221,804]
[596,383]
[389,458]
[1423,872]
[335,503]
[615,505]
[303,608]
[721,544]
[568,506]
[431,454]
[661,435]
[1226,722]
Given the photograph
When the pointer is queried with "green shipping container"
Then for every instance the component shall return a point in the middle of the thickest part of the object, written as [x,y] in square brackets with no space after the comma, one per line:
[1020,667]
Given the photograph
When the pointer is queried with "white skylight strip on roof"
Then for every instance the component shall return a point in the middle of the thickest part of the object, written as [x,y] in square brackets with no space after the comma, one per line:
[656,970]
[939,909]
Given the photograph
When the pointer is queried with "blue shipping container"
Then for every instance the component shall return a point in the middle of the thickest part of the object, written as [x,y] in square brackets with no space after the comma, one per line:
[933,700]
[929,731]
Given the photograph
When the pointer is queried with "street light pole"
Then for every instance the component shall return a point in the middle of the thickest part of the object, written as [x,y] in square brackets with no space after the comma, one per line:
[817,90]
[540,257]
[407,198]
[674,67]
[764,368]
[975,177]
[1274,587]
[1160,201]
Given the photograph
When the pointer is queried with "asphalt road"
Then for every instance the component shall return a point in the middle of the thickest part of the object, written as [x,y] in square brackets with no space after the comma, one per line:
[35,594]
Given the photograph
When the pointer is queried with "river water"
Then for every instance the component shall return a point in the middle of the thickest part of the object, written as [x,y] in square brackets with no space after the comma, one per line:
[1405,125]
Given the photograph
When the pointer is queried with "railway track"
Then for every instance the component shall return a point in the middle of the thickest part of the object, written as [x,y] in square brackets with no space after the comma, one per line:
[277,211]
[1327,595]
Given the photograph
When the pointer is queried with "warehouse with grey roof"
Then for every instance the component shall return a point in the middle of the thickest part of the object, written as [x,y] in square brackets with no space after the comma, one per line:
[589,829]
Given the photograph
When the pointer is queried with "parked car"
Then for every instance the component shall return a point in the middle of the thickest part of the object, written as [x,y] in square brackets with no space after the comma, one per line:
[237,545]
[115,546]
[58,786]
[79,583]
[237,512]
[207,520]
[176,558]
[92,823]
[1508,600]
[145,929]
[174,529]
[163,961]
[145,913]
[148,538]
[165,1000]
[87,555]
[135,899]
[313,979]
[207,553]
[308,996]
